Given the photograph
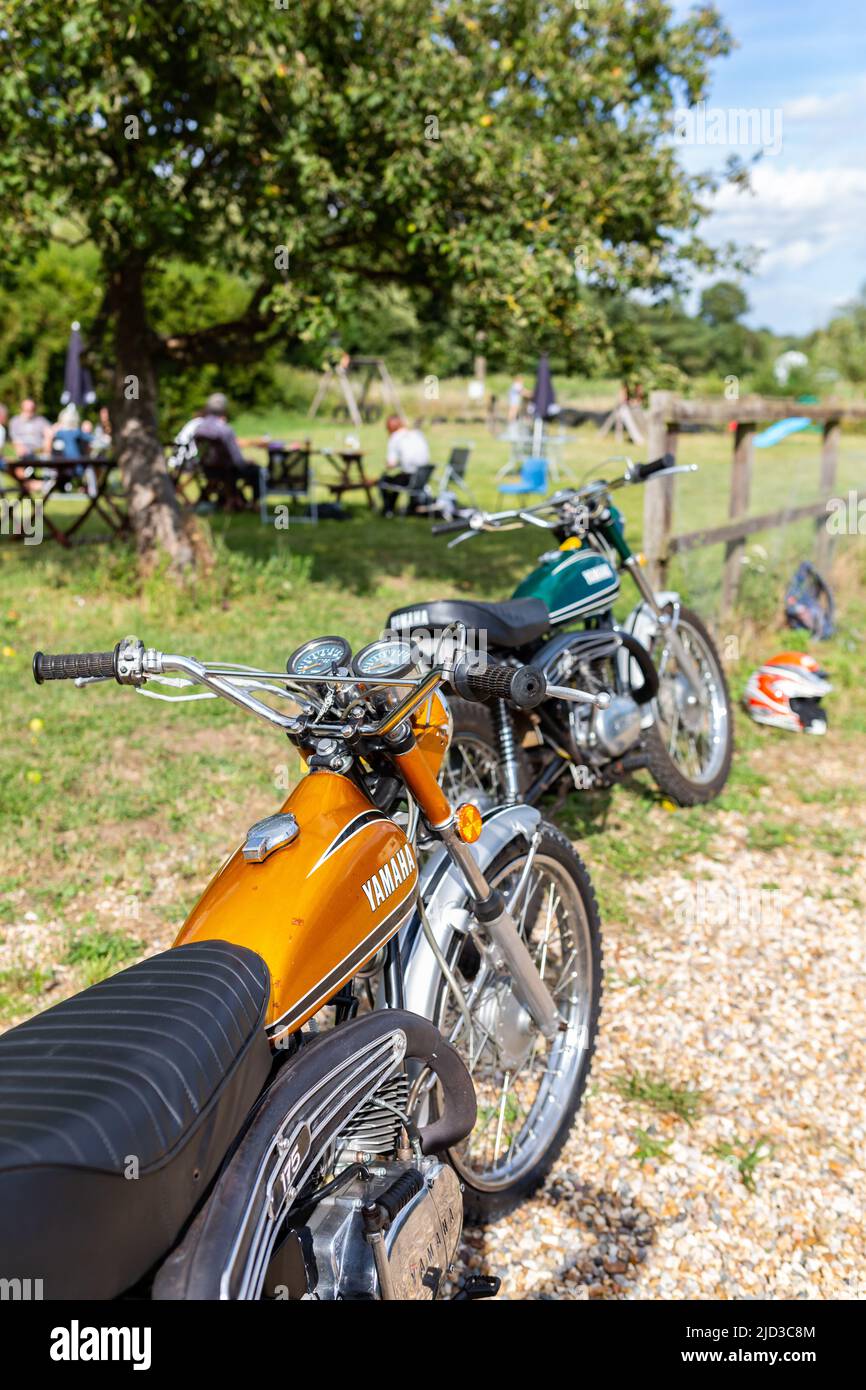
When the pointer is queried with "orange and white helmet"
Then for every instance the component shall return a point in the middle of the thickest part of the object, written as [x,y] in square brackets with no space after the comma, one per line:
[786,692]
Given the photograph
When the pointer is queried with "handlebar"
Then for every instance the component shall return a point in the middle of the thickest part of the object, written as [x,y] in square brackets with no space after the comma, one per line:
[74,666]
[639,472]
[444,528]
[523,686]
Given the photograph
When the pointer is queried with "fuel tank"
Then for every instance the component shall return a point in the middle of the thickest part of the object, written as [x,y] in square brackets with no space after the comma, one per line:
[574,583]
[318,907]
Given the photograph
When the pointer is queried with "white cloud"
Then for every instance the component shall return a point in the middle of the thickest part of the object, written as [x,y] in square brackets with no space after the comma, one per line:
[792,255]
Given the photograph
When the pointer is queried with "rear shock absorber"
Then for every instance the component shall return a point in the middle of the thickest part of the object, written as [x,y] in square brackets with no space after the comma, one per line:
[504,727]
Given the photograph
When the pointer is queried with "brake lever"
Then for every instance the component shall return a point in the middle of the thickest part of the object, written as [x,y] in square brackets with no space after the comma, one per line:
[579,697]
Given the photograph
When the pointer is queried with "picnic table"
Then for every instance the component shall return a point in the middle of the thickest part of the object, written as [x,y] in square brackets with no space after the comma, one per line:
[349,464]
[48,478]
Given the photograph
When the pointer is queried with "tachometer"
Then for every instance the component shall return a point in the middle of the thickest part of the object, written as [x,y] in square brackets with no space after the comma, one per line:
[388,657]
[321,656]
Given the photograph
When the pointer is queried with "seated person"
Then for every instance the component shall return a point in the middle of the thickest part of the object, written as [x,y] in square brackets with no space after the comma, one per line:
[407,451]
[214,425]
[68,438]
[99,435]
[31,436]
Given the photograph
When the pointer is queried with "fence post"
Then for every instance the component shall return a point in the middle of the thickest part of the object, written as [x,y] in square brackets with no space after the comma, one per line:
[658,501]
[829,460]
[741,486]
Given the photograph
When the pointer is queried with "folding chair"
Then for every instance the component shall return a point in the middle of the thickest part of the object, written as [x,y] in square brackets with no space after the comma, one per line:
[289,473]
[217,477]
[454,476]
[418,490]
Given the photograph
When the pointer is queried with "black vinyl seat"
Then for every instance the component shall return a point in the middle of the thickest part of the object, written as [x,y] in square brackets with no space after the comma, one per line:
[117,1107]
[511,624]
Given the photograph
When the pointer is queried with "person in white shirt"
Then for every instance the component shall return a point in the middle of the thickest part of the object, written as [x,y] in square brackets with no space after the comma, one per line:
[407,452]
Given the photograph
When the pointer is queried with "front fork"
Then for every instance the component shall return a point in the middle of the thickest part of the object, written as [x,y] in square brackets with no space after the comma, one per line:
[488,904]
[667,623]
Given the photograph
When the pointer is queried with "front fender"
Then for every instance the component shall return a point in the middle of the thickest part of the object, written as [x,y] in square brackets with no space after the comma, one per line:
[641,623]
[443,893]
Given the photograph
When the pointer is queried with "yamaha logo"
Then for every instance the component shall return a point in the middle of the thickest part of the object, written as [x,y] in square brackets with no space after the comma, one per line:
[388,879]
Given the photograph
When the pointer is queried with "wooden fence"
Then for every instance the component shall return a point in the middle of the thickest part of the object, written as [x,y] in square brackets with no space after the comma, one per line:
[668,413]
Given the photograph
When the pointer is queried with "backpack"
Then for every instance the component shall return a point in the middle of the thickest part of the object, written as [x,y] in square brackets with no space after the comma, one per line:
[809,602]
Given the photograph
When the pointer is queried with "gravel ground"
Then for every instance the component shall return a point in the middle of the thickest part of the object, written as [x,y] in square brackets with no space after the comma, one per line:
[743,981]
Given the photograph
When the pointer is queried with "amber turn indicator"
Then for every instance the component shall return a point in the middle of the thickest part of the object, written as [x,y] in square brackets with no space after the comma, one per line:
[469,823]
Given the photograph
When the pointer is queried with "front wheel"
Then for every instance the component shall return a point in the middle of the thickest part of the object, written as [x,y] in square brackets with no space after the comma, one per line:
[528,1089]
[690,745]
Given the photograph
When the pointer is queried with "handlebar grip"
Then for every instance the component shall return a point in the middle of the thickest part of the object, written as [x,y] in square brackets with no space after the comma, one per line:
[524,686]
[445,527]
[642,471]
[70,667]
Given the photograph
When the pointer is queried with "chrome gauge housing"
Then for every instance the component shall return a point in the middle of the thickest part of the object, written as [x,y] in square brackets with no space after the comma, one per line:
[321,656]
[388,657]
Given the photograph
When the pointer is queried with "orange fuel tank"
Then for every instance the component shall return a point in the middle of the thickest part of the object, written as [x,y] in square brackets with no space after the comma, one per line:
[320,906]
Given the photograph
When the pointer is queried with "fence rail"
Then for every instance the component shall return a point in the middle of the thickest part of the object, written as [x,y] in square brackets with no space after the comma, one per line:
[668,413]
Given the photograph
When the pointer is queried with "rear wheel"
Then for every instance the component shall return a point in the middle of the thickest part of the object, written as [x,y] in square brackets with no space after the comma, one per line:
[473,769]
[690,745]
[528,1089]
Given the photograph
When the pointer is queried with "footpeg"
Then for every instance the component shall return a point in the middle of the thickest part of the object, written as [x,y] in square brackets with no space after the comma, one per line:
[478,1286]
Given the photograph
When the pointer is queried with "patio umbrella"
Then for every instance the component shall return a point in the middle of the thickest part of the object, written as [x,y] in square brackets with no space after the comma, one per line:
[77,381]
[543,398]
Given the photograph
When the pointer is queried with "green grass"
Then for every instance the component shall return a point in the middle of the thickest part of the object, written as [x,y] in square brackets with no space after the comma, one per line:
[648,1148]
[101,953]
[747,1158]
[658,1094]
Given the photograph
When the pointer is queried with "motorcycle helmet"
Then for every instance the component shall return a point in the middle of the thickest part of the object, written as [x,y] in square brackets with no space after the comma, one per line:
[787,691]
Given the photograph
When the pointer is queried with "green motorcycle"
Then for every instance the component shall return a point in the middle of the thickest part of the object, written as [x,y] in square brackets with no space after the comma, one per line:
[656,695]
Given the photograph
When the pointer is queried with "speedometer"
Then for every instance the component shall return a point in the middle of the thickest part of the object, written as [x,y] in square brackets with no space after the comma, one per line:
[387,657]
[322,656]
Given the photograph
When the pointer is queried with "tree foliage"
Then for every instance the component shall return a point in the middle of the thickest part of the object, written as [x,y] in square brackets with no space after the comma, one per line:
[510,163]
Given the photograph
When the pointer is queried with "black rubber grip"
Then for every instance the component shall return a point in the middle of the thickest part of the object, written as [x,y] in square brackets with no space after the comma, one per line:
[70,667]
[642,471]
[523,686]
[445,527]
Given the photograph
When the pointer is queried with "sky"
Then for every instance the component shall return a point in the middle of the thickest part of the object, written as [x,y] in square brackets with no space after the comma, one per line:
[802,64]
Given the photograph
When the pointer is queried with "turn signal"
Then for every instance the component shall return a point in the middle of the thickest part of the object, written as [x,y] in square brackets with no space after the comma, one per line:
[572,543]
[469,823]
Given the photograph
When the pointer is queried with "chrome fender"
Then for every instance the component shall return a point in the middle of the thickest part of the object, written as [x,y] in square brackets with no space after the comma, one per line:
[642,624]
[443,893]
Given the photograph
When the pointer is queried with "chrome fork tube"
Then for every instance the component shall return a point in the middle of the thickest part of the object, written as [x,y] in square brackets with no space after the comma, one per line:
[671,636]
[493,915]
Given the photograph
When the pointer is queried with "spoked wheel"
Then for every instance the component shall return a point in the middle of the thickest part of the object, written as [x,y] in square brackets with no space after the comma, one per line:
[473,768]
[690,745]
[528,1089]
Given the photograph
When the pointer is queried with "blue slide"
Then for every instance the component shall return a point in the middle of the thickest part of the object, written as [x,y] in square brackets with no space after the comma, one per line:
[780,430]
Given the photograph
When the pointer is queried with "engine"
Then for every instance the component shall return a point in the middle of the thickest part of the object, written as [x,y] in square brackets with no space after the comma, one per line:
[617,728]
[597,735]
[412,1211]
[390,1220]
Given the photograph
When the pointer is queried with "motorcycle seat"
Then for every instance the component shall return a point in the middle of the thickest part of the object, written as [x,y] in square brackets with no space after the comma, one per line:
[512,624]
[117,1107]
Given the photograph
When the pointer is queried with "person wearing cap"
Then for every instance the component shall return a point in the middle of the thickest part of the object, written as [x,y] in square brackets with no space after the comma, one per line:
[214,424]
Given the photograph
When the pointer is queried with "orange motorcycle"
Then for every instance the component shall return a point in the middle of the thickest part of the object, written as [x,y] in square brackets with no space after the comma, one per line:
[381,1012]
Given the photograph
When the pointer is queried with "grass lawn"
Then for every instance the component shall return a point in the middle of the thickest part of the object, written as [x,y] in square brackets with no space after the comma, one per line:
[116,809]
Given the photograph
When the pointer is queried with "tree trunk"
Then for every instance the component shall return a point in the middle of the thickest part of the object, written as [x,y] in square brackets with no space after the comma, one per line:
[156,519]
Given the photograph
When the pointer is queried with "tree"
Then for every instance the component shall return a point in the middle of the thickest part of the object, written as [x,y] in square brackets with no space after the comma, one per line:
[723,303]
[509,162]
